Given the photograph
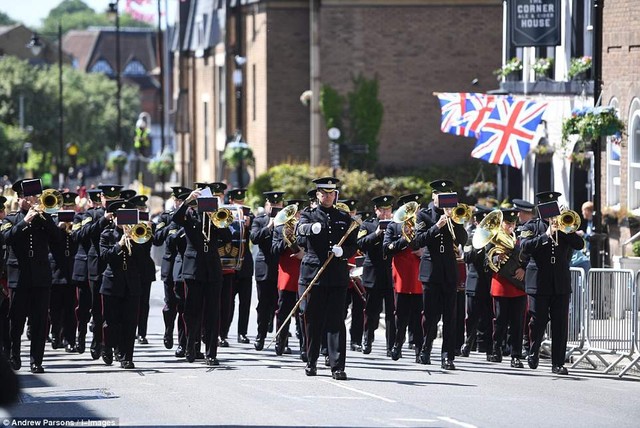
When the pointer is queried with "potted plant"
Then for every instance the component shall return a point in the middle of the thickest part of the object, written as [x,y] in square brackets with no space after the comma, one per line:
[161,165]
[510,67]
[542,66]
[578,67]
[116,160]
[581,159]
[543,152]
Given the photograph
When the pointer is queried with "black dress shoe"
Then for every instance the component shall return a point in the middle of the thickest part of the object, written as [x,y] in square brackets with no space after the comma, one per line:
[366,348]
[396,352]
[71,348]
[310,370]
[142,340]
[243,339]
[304,357]
[356,347]
[223,343]
[55,343]
[496,358]
[127,365]
[516,363]
[278,349]
[107,356]
[36,368]
[199,355]
[560,370]
[388,352]
[533,361]
[465,350]
[168,340]
[82,344]
[326,361]
[411,346]
[179,352]
[424,357]
[212,362]
[339,374]
[96,350]
[191,356]
[448,365]
[15,362]
[259,344]
[287,350]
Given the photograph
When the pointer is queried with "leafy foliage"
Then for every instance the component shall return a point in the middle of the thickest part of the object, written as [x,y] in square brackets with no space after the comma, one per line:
[6,19]
[512,66]
[332,108]
[89,103]
[579,65]
[12,139]
[591,124]
[233,155]
[162,165]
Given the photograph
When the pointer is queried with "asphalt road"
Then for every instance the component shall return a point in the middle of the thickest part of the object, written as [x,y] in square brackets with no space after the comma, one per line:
[252,388]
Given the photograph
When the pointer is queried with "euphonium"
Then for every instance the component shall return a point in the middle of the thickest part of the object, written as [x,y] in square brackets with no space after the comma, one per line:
[568,221]
[490,231]
[406,216]
[51,201]
[287,217]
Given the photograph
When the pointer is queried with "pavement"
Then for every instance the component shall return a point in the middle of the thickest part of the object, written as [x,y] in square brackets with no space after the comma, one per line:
[252,388]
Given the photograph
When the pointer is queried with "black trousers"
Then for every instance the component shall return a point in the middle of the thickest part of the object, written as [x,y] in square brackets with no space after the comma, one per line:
[286,302]
[5,337]
[357,315]
[479,321]
[32,302]
[96,310]
[325,313]
[120,321]
[226,305]
[143,310]
[202,308]
[267,300]
[409,313]
[509,313]
[439,303]
[83,307]
[173,308]
[376,297]
[181,294]
[545,308]
[460,315]
[62,306]
[242,288]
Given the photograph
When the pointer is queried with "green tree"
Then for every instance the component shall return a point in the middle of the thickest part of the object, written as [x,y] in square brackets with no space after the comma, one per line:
[6,19]
[12,140]
[90,111]
[77,15]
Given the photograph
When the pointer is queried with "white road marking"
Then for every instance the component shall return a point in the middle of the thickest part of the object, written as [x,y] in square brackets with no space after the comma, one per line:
[456,422]
[414,420]
[359,391]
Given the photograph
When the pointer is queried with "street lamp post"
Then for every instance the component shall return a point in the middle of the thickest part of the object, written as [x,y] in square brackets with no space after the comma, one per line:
[36,45]
[113,11]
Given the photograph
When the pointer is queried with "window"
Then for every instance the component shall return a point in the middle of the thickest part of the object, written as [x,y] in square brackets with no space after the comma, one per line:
[206,129]
[634,157]
[222,111]
[134,68]
[254,89]
[613,166]
[102,66]
[581,28]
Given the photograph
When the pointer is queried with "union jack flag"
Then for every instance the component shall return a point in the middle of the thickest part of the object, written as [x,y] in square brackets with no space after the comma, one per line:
[507,134]
[464,113]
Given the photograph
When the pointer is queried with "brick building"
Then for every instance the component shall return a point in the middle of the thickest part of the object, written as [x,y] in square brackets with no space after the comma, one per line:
[244,70]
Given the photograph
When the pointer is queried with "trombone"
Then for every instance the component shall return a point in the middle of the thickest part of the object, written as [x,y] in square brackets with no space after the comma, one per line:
[458,215]
[221,218]
[568,222]
[50,202]
[138,233]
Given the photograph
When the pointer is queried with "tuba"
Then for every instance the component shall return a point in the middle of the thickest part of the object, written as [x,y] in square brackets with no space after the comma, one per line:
[406,216]
[50,201]
[287,218]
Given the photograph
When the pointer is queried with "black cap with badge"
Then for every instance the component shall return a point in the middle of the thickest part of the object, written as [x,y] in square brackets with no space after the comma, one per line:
[326,184]
[441,186]
[3,201]
[273,196]
[383,201]
[217,188]
[509,215]
[351,203]
[139,200]
[180,192]
[110,191]
[94,194]
[298,202]
[550,196]
[237,194]
[127,194]
[113,206]
[411,197]
[522,205]
[69,198]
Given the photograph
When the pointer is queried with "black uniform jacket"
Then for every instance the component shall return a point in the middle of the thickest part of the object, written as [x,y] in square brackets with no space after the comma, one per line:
[62,257]
[165,228]
[438,264]
[266,266]
[246,270]
[28,249]
[201,261]
[80,264]
[376,269]
[177,242]
[94,223]
[334,224]
[478,275]
[122,274]
[548,269]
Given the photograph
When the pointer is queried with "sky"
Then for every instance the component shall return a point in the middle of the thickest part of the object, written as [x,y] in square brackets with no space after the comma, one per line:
[32,12]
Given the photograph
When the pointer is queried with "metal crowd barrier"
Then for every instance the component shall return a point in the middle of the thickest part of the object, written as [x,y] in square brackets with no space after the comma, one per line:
[610,316]
[576,334]
[636,330]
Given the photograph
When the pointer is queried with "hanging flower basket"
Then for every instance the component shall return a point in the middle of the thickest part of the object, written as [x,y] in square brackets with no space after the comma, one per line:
[543,152]
[510,68]
[580,159]
[161,165]
[116,160]
[590,124]
[578,67]
[480,189]
[235,153]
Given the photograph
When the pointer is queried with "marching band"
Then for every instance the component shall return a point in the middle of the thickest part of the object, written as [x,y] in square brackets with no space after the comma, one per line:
[68,269]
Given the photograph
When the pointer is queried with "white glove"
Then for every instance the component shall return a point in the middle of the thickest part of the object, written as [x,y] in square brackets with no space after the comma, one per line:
[337,251]
[316,228]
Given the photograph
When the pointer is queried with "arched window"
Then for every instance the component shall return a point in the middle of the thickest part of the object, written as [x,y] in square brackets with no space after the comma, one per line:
[134,68]
[102,66]
[634,156]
